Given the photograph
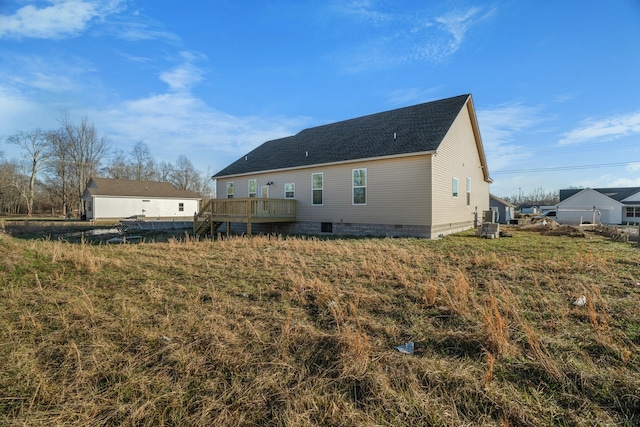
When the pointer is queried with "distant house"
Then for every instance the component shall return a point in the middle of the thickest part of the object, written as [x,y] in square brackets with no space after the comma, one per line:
[415,171]
[106,198]
[528,209]
[506,210]
[615,205]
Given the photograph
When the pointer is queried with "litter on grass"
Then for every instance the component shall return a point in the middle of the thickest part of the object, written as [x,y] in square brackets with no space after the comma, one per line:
[406,348]
[582,300]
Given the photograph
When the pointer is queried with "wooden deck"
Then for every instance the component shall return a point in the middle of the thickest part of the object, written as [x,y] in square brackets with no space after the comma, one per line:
[249,210]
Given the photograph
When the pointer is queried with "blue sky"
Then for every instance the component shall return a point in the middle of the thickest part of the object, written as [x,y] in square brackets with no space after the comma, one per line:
[556,85]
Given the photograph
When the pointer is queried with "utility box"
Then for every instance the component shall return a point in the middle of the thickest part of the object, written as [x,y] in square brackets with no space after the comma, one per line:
[490,216]
[490,230]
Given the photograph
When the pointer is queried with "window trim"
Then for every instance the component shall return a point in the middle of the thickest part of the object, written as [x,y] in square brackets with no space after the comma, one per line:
[180,206]
[229,187]
[632,212]
[253,194]
[468,191]
[354,187]
[321,189]
[455,187]
[293,196]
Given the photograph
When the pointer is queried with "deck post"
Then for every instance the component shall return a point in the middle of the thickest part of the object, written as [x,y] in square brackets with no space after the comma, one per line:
[248,217]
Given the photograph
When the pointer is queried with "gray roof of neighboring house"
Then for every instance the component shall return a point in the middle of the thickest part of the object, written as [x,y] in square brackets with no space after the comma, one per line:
[126,188]
[501,201]
[419,128]
[617,194]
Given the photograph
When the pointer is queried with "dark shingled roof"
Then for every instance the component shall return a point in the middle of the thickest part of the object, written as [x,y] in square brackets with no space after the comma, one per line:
[417,129]
[126,188]
[617,194]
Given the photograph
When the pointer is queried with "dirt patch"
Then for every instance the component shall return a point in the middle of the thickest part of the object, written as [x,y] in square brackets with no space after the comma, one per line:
[549,227]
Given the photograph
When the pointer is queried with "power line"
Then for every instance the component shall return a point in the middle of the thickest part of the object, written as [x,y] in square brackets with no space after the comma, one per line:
[567,168]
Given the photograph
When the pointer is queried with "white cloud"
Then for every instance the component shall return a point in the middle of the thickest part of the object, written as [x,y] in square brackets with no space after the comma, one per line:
[363,9]
[403,38]
[141,29]
[182,77]
[457,24]
[604,129]
[634,167]
[46,74]
[608,180]
[186,75]
[179,123]
[500,127]
[412,95]
[59,19]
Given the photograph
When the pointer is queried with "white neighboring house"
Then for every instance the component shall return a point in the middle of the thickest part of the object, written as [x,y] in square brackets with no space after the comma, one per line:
[108,199]
[615,205]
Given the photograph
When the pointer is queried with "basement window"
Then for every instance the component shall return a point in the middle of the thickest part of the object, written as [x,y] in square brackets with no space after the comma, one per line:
[326,227]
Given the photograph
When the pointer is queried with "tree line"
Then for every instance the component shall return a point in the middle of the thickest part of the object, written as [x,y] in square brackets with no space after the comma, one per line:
[54,166]
[536,197]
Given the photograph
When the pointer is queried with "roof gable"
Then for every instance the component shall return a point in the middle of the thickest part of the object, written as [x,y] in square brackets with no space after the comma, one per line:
[501,201]
[619,194]
[415,129]
[126,188]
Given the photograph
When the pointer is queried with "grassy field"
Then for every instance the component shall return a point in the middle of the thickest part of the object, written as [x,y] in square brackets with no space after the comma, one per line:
[300,332]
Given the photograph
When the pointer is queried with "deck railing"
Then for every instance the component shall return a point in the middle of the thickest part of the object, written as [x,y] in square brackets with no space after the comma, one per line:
[246,210]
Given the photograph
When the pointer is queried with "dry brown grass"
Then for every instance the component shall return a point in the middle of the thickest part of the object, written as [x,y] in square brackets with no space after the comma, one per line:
[301,331]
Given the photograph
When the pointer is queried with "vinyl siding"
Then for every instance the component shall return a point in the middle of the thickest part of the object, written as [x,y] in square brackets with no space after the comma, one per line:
[633,198]
[397,191]
[123,207]
[457,157]
[611,210]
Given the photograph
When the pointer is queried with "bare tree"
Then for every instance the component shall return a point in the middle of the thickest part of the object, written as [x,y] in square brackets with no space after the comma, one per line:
[538,197]
[85,151]
[163,172]
[59,181]
[36,152]
[143,163]
[119,167]
[184,175]
[10,197]
[205,187]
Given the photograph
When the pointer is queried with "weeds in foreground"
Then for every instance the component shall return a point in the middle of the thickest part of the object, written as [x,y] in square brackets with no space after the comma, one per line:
[292,331]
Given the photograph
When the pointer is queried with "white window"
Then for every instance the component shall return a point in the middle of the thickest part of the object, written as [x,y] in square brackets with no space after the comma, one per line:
[633,212]
[230,190]
[253,188]
[317,188]
[290,191]
[359,183]
[468,191]
[454,189]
